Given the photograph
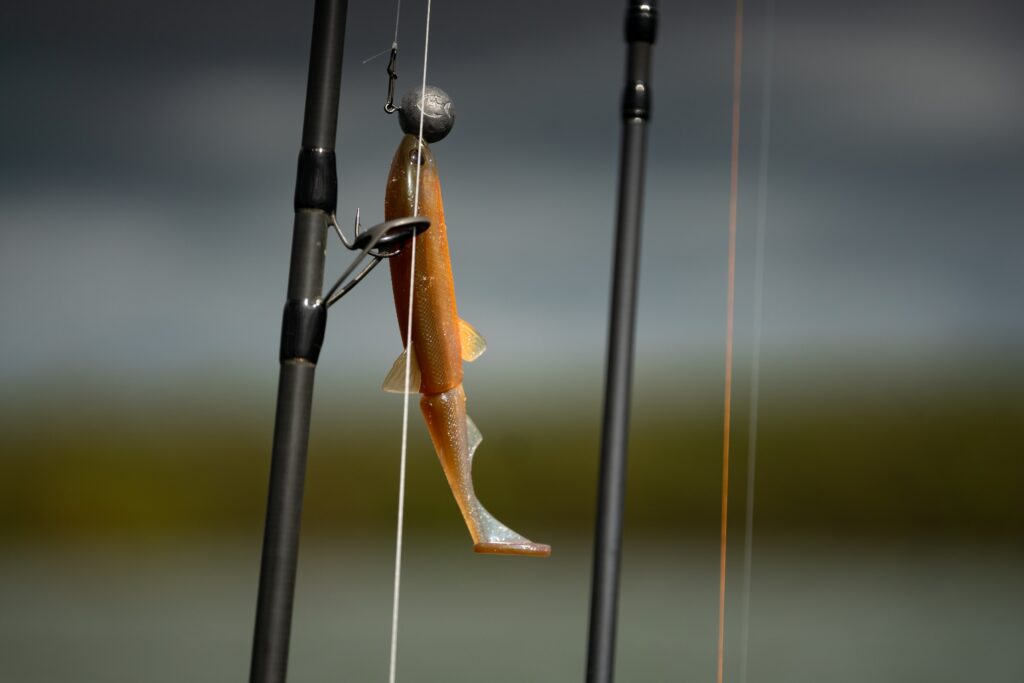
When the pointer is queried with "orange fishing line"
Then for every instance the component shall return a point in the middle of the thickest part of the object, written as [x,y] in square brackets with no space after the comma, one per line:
[734,181]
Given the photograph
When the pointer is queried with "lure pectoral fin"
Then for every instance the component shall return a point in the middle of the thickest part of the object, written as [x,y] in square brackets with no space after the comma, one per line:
[394,381]
[473,345]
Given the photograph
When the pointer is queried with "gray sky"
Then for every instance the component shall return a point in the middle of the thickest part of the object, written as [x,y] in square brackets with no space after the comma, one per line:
[147,157]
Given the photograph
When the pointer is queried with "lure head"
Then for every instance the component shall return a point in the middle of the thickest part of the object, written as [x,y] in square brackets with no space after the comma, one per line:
[438,113]
[403,176]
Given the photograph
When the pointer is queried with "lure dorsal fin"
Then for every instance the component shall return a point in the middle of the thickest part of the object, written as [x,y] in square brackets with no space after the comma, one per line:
[473,436]
[394,382]
[473,345]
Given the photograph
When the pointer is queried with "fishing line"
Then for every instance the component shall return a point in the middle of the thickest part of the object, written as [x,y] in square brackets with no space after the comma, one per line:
[398,14]
[734,176]
[379,54]
[394,41]
[408,357]
[755,364]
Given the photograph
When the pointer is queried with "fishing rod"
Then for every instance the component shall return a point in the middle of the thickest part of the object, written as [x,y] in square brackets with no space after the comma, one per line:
[302,333]
[305,317]
[640,29]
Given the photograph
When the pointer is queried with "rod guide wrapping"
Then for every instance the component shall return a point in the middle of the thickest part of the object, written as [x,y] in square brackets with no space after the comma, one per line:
[302,330]
[316,182]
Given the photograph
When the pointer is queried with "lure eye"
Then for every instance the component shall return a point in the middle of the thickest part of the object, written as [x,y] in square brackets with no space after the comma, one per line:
[414,154]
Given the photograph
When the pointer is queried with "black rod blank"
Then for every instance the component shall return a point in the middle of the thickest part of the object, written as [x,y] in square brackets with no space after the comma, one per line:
[302,332]
[323,87]
[641,24]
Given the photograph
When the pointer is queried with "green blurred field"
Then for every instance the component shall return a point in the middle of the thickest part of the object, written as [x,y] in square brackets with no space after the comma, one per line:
[847,452]
[887,543]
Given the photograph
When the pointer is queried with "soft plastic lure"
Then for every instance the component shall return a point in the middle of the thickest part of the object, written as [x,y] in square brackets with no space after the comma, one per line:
[441,341]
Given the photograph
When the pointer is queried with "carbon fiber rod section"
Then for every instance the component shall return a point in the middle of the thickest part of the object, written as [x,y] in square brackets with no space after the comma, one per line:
[302,332]
[641,21]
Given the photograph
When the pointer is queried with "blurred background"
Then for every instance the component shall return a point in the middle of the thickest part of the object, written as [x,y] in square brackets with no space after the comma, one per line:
[147,161]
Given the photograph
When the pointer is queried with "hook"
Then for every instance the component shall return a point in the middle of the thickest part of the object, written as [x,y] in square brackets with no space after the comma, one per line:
[386,234]
[389,106]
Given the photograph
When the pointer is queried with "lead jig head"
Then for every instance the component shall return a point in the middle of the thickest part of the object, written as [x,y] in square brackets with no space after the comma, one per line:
[438,117]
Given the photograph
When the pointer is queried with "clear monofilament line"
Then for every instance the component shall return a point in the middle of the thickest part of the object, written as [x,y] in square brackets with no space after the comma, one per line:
[392,668]
[394,40]
[760,228]
[398,15]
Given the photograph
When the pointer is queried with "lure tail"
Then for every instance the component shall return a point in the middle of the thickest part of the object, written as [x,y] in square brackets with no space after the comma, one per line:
[455,439]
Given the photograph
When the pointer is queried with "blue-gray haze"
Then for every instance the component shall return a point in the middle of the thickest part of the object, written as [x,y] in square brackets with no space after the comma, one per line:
[147,156]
